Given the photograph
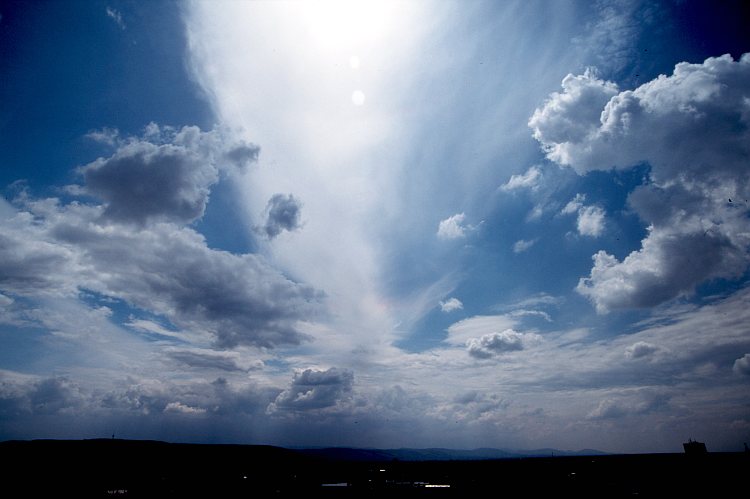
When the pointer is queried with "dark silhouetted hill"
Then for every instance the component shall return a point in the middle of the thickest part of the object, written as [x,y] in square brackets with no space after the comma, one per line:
[151,469]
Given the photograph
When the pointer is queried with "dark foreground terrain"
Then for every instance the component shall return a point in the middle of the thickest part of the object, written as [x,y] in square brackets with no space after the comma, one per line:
[123,468]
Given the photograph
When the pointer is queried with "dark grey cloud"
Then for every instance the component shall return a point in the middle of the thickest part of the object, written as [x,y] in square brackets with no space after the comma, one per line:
[21,397]
[32,267]
[165,175]
[216,398]
[314,389]
[742,365]
[282,213]
[211,359]
[693,129]
[162,268]
[243,155]
[640,349]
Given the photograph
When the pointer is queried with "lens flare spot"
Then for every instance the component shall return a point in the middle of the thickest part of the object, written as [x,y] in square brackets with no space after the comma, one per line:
[358,97]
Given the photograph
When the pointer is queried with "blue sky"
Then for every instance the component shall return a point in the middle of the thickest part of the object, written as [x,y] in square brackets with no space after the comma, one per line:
[384,224]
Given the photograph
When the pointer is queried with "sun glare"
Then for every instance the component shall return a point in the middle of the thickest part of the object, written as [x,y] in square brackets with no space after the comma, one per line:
[340,24]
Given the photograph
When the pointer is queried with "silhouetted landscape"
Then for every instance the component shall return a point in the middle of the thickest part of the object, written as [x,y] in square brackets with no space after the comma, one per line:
[127,468]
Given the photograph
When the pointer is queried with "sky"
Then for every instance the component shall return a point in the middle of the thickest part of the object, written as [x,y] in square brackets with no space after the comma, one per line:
[376,223]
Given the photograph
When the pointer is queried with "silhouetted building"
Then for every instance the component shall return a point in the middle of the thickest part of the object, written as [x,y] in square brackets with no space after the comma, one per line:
[692,447]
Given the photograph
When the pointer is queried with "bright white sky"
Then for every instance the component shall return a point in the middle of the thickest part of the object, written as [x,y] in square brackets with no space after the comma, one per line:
[384,224]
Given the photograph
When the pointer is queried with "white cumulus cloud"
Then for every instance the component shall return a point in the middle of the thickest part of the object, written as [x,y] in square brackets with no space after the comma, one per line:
[452,227]
[451,305]
[693,129]
[528,180]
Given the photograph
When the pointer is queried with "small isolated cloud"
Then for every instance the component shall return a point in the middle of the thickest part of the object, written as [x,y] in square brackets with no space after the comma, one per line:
[116,16]
[528,180]
[531,313]
[640,349]
[742,365]
[180,408]
[591,219]
[314,389]
[522,245]
[494,344]
[452,227]
[282,214]
[451,305]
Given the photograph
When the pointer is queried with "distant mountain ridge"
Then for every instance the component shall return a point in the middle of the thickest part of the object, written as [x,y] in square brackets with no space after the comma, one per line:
[438,454]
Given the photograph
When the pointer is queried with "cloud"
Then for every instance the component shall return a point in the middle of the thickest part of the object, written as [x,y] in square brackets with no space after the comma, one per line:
[282,213]
[574,204]
[462,331]
[181,408]
[51,249]
[591,219]
[314,389]
[610,40]
[742,365]
[640,349]
[153,397]
[116,16]
[528,180]
[692,129]
[522,245]
[452,227]
[212,359]
[637,402]
[493,344]
[24,395]
[668,265]
[166,175]
[450,305]
[532,313]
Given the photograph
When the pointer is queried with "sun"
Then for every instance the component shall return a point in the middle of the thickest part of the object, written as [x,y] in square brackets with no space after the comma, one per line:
[347,24]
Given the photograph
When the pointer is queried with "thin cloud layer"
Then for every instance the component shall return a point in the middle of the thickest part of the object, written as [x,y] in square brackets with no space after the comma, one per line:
[691,128]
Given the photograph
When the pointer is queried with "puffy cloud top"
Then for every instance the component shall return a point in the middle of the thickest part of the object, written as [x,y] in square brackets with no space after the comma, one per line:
[492,344]
[693,129]
[451,305]
[135,248]
[452,227]
[314,389]
[164,175]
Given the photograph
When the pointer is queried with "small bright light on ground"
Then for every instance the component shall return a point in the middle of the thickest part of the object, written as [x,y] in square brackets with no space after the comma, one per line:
[358,97]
